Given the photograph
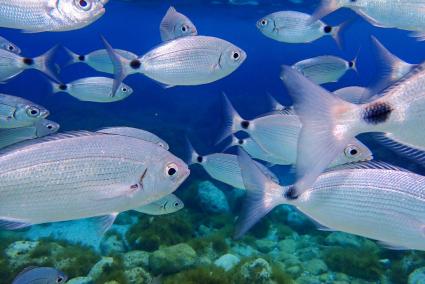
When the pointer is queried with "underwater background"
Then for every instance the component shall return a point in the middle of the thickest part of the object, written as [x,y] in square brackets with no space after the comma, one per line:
[195,245]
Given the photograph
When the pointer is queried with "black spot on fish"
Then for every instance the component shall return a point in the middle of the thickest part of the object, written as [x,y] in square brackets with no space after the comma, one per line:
[135,64]
[328,29]
[245,124]
[377,113]
[63,87]
[81,58]
[351,64]
[200,159]
[291,194]
[29,61]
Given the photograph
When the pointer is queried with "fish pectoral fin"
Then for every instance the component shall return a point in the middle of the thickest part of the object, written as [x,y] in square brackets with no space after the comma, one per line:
[13,224]
[105,222]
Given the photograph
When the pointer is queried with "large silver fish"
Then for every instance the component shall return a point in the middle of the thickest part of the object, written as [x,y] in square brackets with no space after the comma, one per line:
[186,61]
[406,15]
[80,175]
[40,275]
[50,16]
[330,122]
[166,205]
[278,134]
[9,46]
[18,112]
[140,133]
[373,200]
[94,89]
[175,25]
[40,129]
[294,27]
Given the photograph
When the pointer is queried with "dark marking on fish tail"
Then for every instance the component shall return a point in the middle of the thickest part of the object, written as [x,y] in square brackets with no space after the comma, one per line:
[63,87]
[200,159]
[245,124]
[28,61]
[135,64]
[291,194]
[377,113]
[327,29]
[81,58]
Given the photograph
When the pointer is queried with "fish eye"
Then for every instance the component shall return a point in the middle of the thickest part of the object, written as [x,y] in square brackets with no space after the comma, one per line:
[171,170]
[236,55]
[185,28]
[176,204]
[351,151]
[59,279]
[124,89]
[49,126]
[10,47]
[83,4]
[33,111]
[264,22]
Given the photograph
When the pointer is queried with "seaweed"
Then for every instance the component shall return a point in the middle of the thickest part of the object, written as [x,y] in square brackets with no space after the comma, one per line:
[113,272]
[205,275]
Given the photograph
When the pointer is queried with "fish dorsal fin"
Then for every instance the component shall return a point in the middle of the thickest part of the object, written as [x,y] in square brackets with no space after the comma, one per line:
[415,70]
[135,133]
[377,165]
[26,269]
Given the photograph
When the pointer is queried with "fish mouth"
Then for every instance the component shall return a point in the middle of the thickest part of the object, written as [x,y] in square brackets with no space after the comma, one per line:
[44,113]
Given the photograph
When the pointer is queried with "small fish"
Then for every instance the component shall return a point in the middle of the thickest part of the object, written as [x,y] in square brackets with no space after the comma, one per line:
[36,16]
[186,61]
[370,199]
[40,275]
[93,89]
[14,64]
[405,15]
[175,25]
[166,205]
[18,112]
[82,175]
[9,46]
[222,167]
[325,69]
[99,60]
[278,134]
[330,122]
[294,27]
[40,129]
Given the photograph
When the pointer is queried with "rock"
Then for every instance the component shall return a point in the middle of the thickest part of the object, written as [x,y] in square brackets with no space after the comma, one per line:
[172,259]
[294,271]
[227,261]
[243,250]
[315,266]
[112,244]
[307,279]
[19,252]
[138,275]
[264,245]
[211,199]
[417,276]
[203,261]
[288,245]
[257,271]
[98,268]
[343,239]
[80,280]
[296,220]
[136,258]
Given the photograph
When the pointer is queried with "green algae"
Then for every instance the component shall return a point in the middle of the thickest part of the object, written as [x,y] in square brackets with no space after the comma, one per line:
[204,274]
[113,272]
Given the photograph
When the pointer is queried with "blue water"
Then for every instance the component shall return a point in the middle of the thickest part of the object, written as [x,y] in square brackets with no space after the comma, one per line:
[196,111]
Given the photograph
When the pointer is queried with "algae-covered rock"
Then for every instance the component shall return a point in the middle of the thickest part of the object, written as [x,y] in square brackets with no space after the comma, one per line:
[18,253]
[315,266]
[136,258]
[227,261]
[138,275]
[80,280]
[97,270]
[211,199]
[287,245]
[308,279]
[265,245]
[112,244]
[417,276]
[256,271]
[343,239]
[172,259]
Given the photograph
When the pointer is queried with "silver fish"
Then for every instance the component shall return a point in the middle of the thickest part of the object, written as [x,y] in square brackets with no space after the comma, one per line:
[353,94]
[41,275]
[18,112]
[372,200]
[330,122]
[50,16]
[99,60]
[294,27]
[40,129]
[406,15]
[81,175]
[278,134]
[9,46]
[166,205]
[94,89]
[186,61]
[325,69]
[139,133]
[175,25]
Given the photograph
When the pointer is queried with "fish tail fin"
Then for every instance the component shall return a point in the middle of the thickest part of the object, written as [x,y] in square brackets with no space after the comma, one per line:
[45,64]
[73,57]
[191,155]
[121,65]
[326,127]
[338,32]
[262,194]
[325,8]
[232,120]
[354,61]
[56,87]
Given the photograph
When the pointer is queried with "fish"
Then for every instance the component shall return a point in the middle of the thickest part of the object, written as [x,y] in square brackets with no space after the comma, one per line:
[354,94]
[40,129]
[99,60]
[405,15]
[35,16]
[278,134]
[9,46]
[175,25]
[294,27]
[93,89]
[330,122]
[13,64]
[221,166]
[18,112]
[325,69]
[166,205]
[83,174]
[132,132]
[186,61]
[369,199]
[40,275]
